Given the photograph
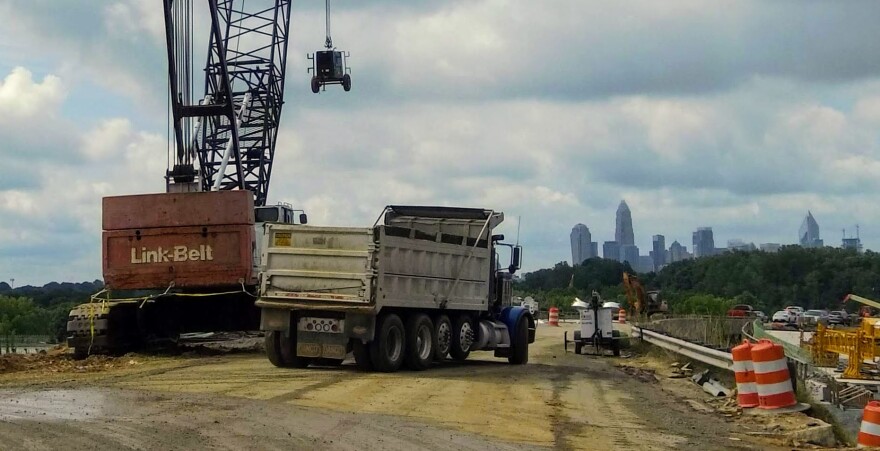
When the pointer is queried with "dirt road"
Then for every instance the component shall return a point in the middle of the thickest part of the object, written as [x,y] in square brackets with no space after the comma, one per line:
[559,400]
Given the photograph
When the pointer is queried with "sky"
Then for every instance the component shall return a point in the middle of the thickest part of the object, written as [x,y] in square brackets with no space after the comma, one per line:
[739,115]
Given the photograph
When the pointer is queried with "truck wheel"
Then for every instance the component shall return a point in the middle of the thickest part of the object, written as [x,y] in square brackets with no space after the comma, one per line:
[388,348]
[462,337]
[443,335]
[519,343]
[316,85]
[80,352]
[273,348]
[288,351]
[361,355]
[419,342]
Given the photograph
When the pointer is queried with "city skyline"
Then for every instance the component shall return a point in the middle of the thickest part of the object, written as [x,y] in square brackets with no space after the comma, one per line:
[703,240]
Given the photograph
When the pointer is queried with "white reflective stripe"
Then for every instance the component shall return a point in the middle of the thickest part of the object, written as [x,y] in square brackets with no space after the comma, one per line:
[742,367]
[774,389]
[747,388]
[770,367]
[870,428]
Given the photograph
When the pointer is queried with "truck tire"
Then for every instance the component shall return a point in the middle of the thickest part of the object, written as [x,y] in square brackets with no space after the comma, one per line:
[388,348]
[519,343]
[288,351]
[443,337]
[273,348]
[361,353]
[462,337]
[420,341]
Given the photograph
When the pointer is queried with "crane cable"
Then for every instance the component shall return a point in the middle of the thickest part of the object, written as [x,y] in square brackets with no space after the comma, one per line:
[329,41]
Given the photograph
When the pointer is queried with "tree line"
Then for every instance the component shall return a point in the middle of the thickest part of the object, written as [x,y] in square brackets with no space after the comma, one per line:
[812,278]
[30,310]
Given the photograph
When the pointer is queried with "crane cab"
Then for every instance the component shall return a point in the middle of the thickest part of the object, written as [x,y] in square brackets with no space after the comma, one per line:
[329,68]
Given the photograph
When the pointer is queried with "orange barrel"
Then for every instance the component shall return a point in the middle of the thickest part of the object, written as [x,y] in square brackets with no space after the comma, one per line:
[621,316]
[744,370]
[771,375]
[554,316]
[869,433]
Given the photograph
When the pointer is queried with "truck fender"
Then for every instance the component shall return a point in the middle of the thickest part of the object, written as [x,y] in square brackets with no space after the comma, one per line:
[510,316]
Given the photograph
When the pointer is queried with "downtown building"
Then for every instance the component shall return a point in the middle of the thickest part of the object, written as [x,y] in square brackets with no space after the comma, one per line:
[704,242]
[582,246]
[808,234]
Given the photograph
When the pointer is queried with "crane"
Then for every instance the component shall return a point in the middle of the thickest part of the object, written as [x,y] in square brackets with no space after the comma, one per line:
[195,249]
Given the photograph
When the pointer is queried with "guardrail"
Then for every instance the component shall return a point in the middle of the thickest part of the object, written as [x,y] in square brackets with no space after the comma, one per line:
[709,356]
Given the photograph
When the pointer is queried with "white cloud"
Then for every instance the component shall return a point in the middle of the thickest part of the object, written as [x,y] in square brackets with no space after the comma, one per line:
[22,97]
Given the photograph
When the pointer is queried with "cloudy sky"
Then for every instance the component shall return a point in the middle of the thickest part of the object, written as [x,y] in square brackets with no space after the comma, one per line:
[738,115]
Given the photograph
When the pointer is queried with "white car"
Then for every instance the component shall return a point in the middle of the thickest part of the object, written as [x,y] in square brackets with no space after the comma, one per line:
[784,316]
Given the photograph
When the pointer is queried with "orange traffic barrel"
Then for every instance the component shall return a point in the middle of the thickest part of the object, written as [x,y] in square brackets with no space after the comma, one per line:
[771,375]
[621,316]
[744,371]
[554,316]
[869,433]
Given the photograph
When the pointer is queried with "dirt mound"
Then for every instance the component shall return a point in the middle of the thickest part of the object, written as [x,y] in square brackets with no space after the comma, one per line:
[60,362]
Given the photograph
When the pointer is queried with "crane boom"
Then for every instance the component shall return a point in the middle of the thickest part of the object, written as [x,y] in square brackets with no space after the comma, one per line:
[231,132]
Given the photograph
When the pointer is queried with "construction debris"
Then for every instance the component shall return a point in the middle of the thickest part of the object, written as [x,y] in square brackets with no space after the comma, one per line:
[642,374]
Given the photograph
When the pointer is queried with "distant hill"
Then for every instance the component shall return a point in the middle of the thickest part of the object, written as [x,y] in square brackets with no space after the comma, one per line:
[53,292]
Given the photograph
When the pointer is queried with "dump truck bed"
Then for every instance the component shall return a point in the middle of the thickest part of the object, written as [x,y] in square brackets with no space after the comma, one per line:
[336,268]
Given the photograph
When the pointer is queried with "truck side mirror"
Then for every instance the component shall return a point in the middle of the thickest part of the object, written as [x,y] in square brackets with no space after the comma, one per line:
[303,219]
[516,259]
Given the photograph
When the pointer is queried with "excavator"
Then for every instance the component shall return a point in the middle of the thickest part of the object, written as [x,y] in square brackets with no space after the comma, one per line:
[641,302]
[187,260]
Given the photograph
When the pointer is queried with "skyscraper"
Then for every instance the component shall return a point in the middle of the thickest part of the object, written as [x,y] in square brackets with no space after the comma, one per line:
[658,254]
[611,250]
[623,230]
[630,253]
[704,242]
[581,248]
[808,234]
[677,252]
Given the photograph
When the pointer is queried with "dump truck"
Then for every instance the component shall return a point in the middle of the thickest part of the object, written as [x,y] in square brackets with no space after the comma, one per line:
[421,285]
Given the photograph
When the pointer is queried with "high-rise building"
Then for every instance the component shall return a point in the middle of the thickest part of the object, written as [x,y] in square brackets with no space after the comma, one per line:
[808,234]
[630,253]
[852,243]
[677,252]
[594,249]
[581,248]
[737,244]
[646,264]
[611,250]
[704,242]
[658,254]
[623,230]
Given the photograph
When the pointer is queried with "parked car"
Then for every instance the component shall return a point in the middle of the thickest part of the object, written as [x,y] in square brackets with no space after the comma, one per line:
[797,310]
[761,315]
[838,318]
[742,310]
[784,316]
[814,316]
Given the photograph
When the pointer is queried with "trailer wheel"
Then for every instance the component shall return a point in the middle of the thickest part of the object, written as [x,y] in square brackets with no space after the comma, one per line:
[420,342]
[443,337]
[288,351]
[462,337]
[361,353]
[316,85]
[615,343]
[388,348]
[273,348]
[346,82]
[577,347]
[519,343]
[80,352]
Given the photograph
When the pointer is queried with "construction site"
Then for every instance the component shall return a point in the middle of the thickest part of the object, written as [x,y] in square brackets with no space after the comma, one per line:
[226,317]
